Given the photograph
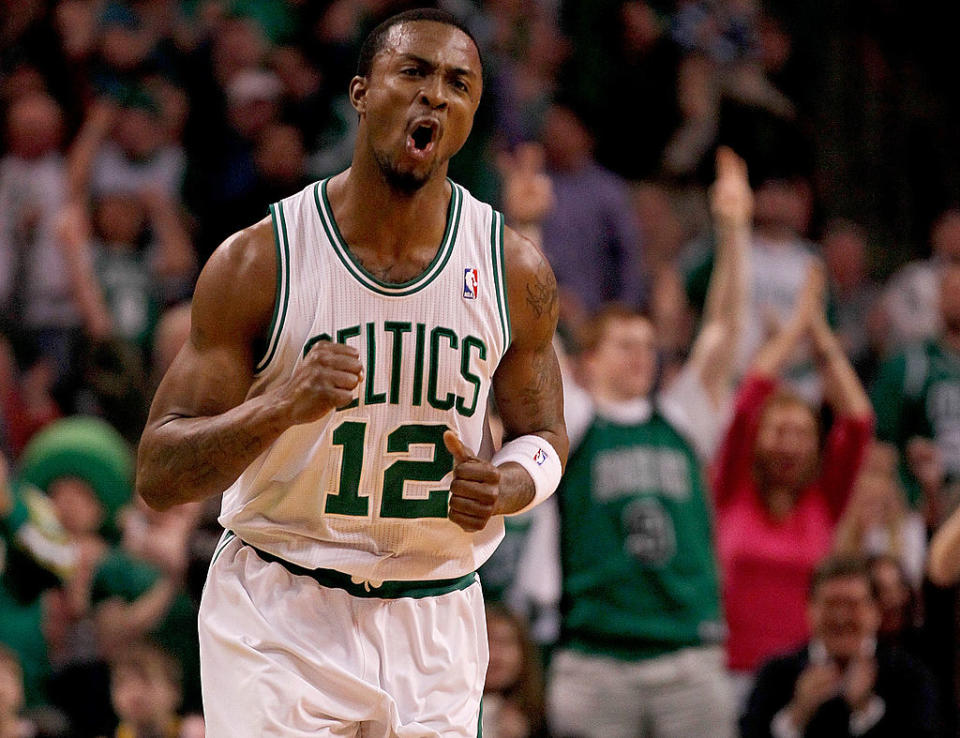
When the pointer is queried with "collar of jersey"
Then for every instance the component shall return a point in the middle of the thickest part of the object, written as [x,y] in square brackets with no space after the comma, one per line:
[368,280]
[628,412]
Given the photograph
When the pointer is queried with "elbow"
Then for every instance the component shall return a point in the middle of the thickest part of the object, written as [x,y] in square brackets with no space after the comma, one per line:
[151,493]
[148,484]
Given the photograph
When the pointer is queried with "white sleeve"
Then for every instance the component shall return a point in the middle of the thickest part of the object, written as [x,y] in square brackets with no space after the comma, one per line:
[578,410]
[537,580]
[687,405]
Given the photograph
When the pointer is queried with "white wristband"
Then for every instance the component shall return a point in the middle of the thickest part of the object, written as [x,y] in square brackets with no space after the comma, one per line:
[541,461]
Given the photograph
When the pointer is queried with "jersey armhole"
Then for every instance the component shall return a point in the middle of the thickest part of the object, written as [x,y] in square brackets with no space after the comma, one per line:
[500,276]
[282,295]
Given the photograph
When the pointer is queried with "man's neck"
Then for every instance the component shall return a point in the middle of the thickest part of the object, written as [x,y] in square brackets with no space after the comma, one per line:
[623,409]
[403,220]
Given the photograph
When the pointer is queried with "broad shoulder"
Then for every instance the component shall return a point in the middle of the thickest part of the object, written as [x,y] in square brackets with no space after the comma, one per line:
[531,289]
[236,290]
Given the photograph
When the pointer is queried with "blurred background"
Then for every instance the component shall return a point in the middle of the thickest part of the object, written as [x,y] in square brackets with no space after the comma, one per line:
[138,135]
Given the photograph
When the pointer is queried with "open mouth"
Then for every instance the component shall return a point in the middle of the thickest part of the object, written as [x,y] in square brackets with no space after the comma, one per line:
[421,139]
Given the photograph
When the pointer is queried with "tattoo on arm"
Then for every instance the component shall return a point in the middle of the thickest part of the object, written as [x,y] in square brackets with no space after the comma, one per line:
[542,292]
[189,458]
[535,406]
[201,458]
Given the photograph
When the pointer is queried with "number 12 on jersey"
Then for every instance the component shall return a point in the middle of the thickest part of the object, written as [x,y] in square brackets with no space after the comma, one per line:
[350,435]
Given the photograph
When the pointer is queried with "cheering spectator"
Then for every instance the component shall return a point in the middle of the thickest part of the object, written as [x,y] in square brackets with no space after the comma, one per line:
[842,682]
[145,689]
[858,315]
[641,623]
[911,300]
[34,278]
[897,601]
[917,397]
[117,593]
[877,521]
[781,260]
[777,497]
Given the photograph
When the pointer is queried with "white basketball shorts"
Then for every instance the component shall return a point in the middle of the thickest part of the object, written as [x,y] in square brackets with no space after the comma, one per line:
[283,654]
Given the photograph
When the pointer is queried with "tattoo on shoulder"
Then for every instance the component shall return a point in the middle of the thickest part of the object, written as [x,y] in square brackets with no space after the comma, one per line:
[542,291]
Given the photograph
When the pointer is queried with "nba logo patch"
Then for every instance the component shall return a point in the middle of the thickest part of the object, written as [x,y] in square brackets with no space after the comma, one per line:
[540,456]
[471,283]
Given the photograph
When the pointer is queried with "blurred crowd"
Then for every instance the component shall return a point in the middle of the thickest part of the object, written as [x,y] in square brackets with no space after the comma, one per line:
[762,382]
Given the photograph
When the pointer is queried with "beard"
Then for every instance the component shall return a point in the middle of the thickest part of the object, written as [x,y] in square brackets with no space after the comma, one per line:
[405,183]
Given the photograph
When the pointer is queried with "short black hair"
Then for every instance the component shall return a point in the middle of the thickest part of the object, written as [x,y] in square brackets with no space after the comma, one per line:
[374,42]
[842,567]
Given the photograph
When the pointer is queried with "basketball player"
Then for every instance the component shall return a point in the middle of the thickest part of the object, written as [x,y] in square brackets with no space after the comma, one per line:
[334,384]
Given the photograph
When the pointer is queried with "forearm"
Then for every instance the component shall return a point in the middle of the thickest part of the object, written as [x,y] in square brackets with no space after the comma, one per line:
[184,459]
[82,154]
[843,388]
[715,349]
[773,356]
[87,294]
[727,293]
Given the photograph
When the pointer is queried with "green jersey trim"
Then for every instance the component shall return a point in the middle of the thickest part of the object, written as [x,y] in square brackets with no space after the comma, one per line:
[389,590]
[368,280]
[282,298]
[496,257]
[503,285]
[224,541]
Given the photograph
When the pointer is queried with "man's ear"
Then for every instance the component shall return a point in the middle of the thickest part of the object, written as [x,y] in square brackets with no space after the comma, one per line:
[358,94]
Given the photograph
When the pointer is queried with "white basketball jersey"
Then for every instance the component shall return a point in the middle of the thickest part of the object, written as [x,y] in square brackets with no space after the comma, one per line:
[365,489]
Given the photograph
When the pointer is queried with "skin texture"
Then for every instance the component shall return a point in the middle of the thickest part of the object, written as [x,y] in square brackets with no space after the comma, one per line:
[203,431]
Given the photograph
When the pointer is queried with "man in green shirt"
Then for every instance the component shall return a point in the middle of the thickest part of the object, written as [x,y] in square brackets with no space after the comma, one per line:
[917,401]
[641,620]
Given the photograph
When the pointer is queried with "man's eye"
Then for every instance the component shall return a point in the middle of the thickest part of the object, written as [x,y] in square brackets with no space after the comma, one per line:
[412,72]
[460,85]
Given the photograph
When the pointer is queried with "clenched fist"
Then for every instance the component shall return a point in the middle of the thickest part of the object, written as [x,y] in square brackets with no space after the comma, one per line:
[326,379]
[475,488]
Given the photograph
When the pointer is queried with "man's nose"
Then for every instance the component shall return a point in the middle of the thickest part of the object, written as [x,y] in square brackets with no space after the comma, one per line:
[432,94]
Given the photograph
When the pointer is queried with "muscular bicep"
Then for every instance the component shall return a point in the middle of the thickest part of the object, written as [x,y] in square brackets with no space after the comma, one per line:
[527,385]
[203,381]
[214,370]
